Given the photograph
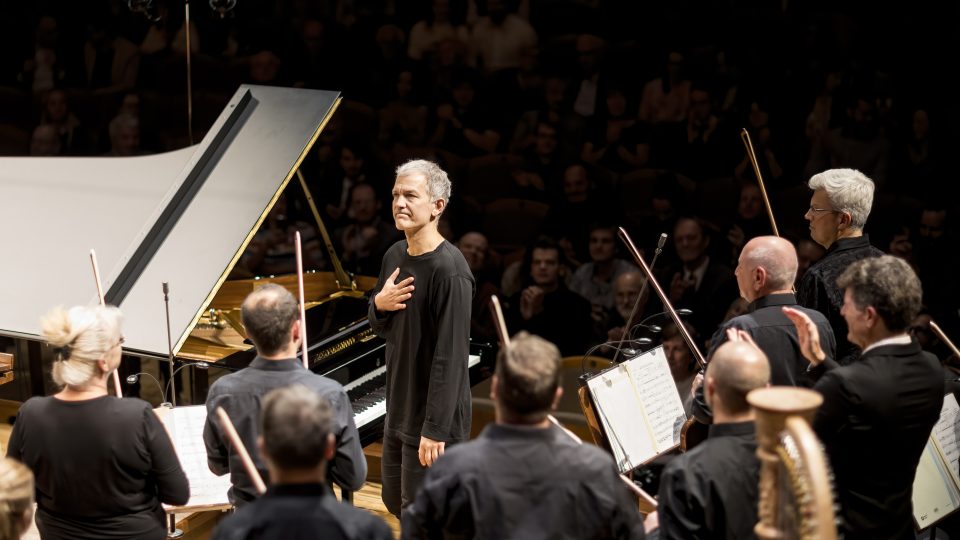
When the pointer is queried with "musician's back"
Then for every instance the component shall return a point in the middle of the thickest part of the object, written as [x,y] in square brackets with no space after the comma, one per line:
[523,482]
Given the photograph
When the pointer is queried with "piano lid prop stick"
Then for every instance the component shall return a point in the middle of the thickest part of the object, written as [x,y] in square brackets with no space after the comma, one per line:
[241,450]
[96,278]
[303,309]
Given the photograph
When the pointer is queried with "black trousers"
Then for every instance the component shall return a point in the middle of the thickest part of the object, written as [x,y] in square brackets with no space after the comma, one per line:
[400,472]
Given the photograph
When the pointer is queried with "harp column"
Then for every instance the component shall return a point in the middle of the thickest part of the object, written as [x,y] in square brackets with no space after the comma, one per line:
[773,406]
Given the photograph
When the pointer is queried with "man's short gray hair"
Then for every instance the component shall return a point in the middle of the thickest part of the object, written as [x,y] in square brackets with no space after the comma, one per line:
[438,183]
[295,422]
[889,285]
[848,190]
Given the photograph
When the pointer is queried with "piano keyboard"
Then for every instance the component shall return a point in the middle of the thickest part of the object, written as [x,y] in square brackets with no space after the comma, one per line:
[368,394]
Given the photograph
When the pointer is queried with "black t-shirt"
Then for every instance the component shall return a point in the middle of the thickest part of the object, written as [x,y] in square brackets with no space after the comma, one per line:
[428,342]
[102,467]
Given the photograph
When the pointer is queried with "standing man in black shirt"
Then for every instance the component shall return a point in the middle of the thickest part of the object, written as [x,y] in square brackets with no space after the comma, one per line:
[711,491]
[765,274]
[297,441]
[878,411]
[421,306]
[523,477]
[272,320]
[839,207]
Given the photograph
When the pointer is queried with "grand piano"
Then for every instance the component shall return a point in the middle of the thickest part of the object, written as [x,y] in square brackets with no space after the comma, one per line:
[183,218]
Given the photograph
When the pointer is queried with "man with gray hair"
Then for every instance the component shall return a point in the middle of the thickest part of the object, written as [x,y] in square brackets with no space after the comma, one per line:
[523,477]
[877,412]
[838,211]
[271,318]
[765,275]
[297,441]
[421,306]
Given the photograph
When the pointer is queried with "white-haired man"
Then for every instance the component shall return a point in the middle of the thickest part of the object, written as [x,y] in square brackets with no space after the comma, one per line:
[838,211]
[421,306]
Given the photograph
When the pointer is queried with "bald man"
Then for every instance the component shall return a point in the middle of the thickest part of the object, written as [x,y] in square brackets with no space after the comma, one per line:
[626,290]
[765,274]
[711,491]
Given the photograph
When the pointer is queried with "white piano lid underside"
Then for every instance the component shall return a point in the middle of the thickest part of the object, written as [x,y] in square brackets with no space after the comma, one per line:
[55,210]
[240,183]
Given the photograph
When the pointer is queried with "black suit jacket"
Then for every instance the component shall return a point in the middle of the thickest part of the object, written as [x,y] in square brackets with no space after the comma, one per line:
[874,422]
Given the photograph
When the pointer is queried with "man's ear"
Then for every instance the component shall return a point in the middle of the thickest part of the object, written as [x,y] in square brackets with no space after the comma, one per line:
[761,277]
[556,398]
[494,383]
[330,448]
[261,448]
[872,316]
[709,390]
[438,207]
[295,329]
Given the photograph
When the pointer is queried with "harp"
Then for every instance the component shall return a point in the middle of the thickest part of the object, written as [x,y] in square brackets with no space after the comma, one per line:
[796,491]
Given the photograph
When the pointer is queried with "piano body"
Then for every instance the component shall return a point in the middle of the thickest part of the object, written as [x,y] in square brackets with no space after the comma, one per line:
[184,218]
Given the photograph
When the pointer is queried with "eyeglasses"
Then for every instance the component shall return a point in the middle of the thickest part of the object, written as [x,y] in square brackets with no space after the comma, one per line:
[816,210]
[120,342]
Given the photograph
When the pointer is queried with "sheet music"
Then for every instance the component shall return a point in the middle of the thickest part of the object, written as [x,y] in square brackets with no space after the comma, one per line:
[185,426]
[946,433]
[935,493]
[658,394]
[619,410]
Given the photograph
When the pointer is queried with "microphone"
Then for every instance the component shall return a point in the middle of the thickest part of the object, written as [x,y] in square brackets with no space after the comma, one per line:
[132,379]
[633,313]
[656,329]
[618,346]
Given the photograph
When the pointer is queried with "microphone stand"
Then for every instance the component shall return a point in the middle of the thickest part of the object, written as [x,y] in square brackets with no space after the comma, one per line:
[166,305]
[636,304]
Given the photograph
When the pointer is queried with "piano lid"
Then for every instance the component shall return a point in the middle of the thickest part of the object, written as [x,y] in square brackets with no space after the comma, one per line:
[190,234]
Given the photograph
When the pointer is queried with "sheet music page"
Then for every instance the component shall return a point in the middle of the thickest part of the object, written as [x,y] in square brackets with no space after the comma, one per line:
[935,494]
[185,426]
[658,393]
[620,412]
[946,433]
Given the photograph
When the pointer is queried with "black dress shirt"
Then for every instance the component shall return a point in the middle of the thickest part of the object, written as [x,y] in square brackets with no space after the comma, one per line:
[102,467]
[874,422]
[240,393]
[524,483]
[818,288]
[776,336]
[711,491]
[301,512]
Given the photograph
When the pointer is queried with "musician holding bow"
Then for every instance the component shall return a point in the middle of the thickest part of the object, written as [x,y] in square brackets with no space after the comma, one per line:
[839,208]
[103,465]
[271,318]
[711,491]
[523,477]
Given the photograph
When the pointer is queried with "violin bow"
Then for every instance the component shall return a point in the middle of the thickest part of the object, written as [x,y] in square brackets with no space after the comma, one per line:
[96,278]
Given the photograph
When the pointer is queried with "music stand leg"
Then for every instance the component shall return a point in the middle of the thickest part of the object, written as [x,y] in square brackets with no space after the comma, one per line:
[172,530]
